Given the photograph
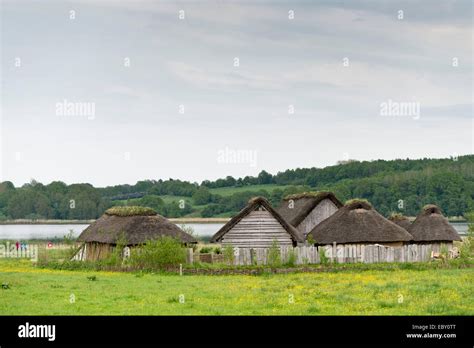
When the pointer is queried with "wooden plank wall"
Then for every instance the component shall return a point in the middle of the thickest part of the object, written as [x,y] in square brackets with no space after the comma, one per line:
[93,251]
[341,253]
[321,212]
[258,230]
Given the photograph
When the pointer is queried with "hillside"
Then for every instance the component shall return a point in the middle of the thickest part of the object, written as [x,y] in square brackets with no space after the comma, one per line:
[392,186]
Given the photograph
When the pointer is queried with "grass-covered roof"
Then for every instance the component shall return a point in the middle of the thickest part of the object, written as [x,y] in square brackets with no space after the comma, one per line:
[132,210]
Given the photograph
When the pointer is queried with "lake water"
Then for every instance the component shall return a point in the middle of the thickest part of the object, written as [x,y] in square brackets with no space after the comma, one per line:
[25,232]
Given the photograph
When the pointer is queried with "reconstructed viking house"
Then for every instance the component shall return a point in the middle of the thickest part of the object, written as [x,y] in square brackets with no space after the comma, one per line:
[400,220]
[132,225]
[431,227]
[257,226]
[358,222]
[306,210]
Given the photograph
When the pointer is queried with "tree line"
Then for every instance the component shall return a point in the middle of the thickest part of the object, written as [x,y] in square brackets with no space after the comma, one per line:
[391,186]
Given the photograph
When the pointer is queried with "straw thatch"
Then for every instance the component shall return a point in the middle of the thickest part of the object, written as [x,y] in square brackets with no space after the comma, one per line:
[253,204]
[135,224]
[303,204]
[358,222]
[430,226]
[400,220]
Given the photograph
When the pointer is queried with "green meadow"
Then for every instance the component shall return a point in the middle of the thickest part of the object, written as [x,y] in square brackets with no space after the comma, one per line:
[30,290]
[228,191]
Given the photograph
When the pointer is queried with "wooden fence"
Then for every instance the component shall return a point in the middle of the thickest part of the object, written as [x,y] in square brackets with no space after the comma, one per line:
[343,253]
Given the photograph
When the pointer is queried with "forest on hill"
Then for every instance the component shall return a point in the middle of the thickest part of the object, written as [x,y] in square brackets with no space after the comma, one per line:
[401,185]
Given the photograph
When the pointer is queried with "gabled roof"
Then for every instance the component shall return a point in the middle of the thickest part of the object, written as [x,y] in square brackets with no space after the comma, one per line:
[303,205]
[358,222]
[431,225]
[253,204]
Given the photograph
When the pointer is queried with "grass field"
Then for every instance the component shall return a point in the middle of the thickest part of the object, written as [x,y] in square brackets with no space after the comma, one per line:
[223,191]
[36,291]
[227,191]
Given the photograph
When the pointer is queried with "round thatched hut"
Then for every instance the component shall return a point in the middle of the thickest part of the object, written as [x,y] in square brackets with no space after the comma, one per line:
[431,227]
[357,222]
[129,225]
[400,220]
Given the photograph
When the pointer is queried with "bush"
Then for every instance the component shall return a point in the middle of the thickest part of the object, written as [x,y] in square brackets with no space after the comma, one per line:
[210,250]
[291,258]
[274,255]
[205,250]
[189,230]
[162,253]
[116,257]
[322,256]
[229,254]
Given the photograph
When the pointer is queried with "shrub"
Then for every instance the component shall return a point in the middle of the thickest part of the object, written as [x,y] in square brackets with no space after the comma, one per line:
[205,250]
[116,257]
[68,239]
[210,249]
[444,253]
[291,258]
[274,256]
[229,254]
[189,230]
[322,256]
[162,253]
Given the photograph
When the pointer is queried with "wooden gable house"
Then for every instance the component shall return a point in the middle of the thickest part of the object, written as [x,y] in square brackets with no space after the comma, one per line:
[304,211]
[258,225]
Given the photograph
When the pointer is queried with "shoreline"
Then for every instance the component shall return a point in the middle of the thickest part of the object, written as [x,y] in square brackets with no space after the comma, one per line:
[182,220]
[87,222]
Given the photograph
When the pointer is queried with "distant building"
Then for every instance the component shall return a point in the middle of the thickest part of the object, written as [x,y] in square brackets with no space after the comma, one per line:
[306,210]
[258,225]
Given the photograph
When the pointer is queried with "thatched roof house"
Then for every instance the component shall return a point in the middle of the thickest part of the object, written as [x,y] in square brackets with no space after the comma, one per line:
[358,222]
[132,225]
[431,226]
[400,220]
[305,210]
[257,226]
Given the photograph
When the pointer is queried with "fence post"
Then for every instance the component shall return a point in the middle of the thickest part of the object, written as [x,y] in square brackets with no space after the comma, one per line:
[189,255]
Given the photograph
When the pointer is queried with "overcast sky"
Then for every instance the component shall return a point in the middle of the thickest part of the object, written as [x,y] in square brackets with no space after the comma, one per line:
[170,99]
